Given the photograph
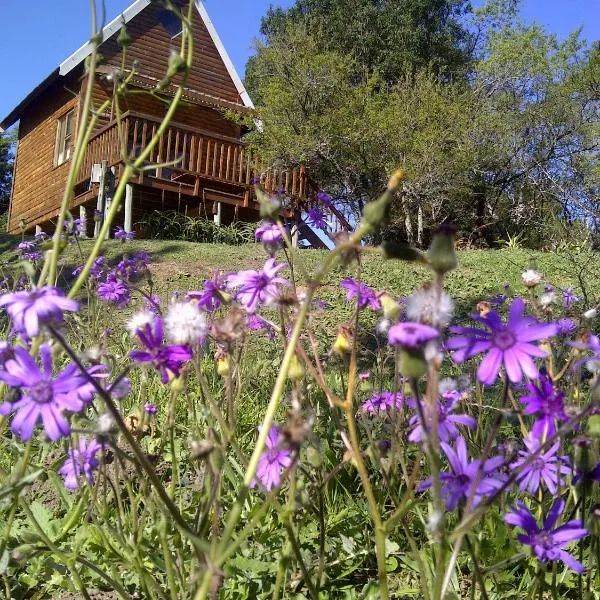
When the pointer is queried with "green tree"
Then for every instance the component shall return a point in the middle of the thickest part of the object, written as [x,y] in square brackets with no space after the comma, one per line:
[7,141]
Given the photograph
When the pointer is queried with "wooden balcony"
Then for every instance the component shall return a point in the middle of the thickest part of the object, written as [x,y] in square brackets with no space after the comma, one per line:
[189,161]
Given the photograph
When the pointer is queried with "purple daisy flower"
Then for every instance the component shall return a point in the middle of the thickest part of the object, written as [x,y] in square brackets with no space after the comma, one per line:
[152,304]
[456,486]
[569,298]
[364,295]
[547,468]
[446,421]
[593,345]
[547,402]
[26,246]
[274,460]
[168,360]
[257,287]
[121,234]
[269,235]
[547,544]
[29,310]
[411,335]
[324,199]
[509,344]
[256,323]
[114,291]
[80,462]
[566,326]
[382,402]
[150,409]
[213,294]
[43,397]
[316,218]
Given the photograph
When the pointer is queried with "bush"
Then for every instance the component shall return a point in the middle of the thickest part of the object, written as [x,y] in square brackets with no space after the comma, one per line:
[172,225]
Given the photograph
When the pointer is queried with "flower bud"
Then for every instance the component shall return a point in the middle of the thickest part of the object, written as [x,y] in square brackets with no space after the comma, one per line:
[223,366]
[412,363]
[396,179]
[377,211]
[342,341]
[441,254]
[313,457]
[124,39]
[296,370]
[177,385]
[531,278]
[201,448]
[391,308]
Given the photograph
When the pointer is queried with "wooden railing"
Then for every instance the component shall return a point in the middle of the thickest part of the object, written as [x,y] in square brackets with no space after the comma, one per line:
[187,155]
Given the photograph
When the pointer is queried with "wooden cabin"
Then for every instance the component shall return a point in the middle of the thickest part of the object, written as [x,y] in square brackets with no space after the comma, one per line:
[211,171]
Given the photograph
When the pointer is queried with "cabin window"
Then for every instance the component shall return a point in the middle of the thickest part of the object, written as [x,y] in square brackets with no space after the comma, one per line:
[171,22]
[64,138]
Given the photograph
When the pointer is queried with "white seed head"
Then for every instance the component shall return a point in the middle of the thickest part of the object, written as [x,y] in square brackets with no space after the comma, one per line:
[138,321]
[590,314]
[425,307]
[531,278]
[547,299]
[185,324]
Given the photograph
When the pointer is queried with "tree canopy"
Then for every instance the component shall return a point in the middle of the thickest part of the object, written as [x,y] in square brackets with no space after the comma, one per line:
[7,141]
[497,124]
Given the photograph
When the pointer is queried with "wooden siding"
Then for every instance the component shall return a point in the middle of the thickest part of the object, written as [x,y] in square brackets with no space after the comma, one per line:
[151,47]
[38,184]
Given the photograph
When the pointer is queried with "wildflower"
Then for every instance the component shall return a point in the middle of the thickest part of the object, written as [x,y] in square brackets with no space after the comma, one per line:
[256,323]
[114,291]
[139,321]
[547,402]
[152,304]
[364,295]
[150,409]
[274,460]
[121,234]
[457,485]
[41,236]
[508,344]
[425,306]
[546,468]
[446,422]
[257,287]
[29,310]
[269,235]
[316,218]
[324,199]
[213,295]
[547,544]
[547,298]
[44,397]
[566,326]
[382,402]
[411,335]
[168,360]
[25,247]
[569,298]
[185,324]
[322,304]
[531,278]
[80,462]
[120,389]
[592,344]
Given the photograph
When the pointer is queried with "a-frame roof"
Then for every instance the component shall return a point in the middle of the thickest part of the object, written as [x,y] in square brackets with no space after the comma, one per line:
[109,30]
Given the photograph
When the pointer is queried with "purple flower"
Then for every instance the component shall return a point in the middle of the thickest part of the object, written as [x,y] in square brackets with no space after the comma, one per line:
[322,304]
[150,409]
[29,310]
[547,402]
[508,344]
[274,460]
[152,304]
[168,360]
[547,544]
[257,287]
[213,295]
[316,218]
[456,486]
[324,199]
[547,468]
[80,462]
[446,421]
[569,298]
[114,291]
[411,335]
[364,295]
[382,402]
[593,345]
[44,397]
[41,236]
[256,323]
[566,326]
[121,234]
[269,235]
[27,246]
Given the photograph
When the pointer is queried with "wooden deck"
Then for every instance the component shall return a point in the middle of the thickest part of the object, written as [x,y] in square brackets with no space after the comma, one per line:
[188,160]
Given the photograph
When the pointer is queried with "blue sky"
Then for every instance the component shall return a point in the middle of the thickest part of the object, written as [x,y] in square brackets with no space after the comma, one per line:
[37,35]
